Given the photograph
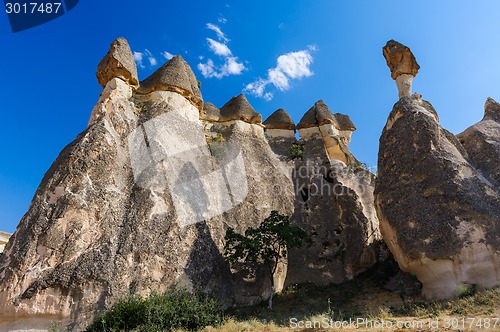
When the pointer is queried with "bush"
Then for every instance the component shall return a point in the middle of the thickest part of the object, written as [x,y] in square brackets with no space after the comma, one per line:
[296,151]
[176,309]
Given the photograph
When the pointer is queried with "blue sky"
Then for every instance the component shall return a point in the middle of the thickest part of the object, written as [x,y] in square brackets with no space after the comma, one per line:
[296,52]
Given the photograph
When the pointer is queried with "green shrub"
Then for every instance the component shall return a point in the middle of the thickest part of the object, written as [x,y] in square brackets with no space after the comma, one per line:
[296,151]
[176,309]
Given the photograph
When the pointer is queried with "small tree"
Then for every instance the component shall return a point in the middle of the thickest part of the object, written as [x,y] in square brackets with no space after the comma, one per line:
[266,245]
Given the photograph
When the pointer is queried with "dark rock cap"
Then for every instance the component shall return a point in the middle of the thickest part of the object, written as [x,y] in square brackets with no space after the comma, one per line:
[320,114]
[400,59]
[492,110]
[177,76]
[119,62]
[280,119]
[210,112]
[238,108]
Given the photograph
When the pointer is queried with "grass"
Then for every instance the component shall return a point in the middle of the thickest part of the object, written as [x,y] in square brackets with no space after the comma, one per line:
[366,299]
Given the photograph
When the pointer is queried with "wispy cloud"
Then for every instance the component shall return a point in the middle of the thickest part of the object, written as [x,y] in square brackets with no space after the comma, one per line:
[222,19]
[152,60]
[167,55]
[218,31]
[218,48]
[229,64]
[138,59]
[290,66]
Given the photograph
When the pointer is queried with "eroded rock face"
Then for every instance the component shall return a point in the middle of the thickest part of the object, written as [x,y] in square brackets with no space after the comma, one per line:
[118,63]
[334,203]
[439,214]
[140,202]
[482,142]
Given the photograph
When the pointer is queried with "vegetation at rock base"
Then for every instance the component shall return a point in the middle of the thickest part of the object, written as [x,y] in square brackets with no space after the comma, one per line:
[267,244]
[177,309]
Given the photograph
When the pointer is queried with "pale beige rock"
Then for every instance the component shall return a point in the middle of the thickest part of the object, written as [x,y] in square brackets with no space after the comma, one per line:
[403,66]
[4,239]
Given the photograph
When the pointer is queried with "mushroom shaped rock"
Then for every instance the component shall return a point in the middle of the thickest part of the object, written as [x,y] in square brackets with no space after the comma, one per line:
[280,119]
[238,108]
[210,113]
[403,66]
[119,62]
[176,76]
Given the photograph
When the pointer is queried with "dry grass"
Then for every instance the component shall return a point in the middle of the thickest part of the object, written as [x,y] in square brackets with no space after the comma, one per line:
[366,299]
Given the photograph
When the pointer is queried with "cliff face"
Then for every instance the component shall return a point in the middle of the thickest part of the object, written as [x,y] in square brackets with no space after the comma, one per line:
[140,202]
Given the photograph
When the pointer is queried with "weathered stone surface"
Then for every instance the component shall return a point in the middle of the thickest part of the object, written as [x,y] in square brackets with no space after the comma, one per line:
[119,62]
[4,239]
[482,142]
[210,113]
[334,202]
[280,119]
[112,214]
[438,214]
[334,129]
[176,76]
[238,108]
[400,59]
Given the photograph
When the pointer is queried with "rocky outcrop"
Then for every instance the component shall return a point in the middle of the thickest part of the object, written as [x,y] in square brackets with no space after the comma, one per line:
[210,113]
[334,203]
[335,131]
[238,108]
[139,202]
[118,63]
[403,66]
[4,239]
[280,132]
[175,76]
[438,213]
[482,142]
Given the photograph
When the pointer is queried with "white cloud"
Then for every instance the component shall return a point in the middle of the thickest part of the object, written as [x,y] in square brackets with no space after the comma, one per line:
[293,65]
[230,67]
[218,31]
[152,60]
[229,64]
[222,20]
[218,48]
[138,59]
[207,69]
[167,55]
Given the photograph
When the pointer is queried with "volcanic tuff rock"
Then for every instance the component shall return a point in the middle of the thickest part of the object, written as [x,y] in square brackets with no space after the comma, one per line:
[238,108]
[280,119]
[481,141]
[334,203]
[439,214]
[403,66]
[4,238]
[119,62]
[141,199]
[140,202]
[175,76]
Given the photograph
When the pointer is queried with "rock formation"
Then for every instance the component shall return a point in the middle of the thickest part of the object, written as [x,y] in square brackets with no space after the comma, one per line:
[140,201]
[481,141]
[238,108]
[334,129]
[438,205]
[4,239]
[119,62]
[403,66]
[334,202]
